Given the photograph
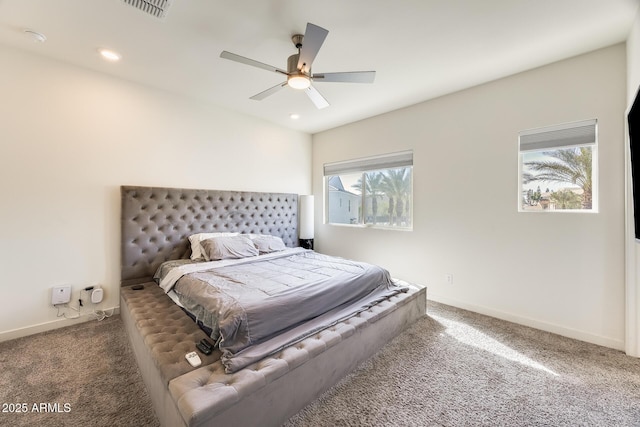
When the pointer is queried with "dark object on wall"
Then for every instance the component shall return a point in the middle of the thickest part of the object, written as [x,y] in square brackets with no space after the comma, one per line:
[634,142]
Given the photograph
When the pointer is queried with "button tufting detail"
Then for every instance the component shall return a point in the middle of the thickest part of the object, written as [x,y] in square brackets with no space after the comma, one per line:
[157,221]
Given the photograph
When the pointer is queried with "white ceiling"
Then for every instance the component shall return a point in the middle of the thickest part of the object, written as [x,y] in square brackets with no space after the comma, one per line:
[420,49]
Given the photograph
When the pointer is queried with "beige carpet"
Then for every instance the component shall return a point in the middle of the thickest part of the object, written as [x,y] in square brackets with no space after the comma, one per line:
[81,375]
[452,368]
[456,368]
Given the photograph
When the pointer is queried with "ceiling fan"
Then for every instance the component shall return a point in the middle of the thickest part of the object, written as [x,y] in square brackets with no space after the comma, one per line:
[298,71]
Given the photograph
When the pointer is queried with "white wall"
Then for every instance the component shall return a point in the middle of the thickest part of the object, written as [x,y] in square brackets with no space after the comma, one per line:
[632,346]
[560,272]
[70,137]
[633,60]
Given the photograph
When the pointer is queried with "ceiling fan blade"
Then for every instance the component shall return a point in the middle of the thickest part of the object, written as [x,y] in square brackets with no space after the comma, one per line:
[313,38]
[262,95]
[316,98]
[243,60]
[346,77]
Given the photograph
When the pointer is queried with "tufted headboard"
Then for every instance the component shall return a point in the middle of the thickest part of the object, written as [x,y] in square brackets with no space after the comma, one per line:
[156,222]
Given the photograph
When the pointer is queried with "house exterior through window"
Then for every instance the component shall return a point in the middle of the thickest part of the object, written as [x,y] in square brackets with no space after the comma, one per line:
[373,191]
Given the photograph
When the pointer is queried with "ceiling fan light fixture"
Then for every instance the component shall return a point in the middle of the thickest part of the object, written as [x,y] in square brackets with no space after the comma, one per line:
[298,81]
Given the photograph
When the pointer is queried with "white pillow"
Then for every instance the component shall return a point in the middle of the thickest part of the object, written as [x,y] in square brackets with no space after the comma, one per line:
[197,252]
[228,247]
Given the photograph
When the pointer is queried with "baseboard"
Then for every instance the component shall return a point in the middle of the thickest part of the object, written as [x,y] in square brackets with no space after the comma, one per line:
[533,323]
[49,326]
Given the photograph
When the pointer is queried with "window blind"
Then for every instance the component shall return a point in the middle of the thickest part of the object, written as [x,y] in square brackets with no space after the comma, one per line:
[560,136]
[385,161]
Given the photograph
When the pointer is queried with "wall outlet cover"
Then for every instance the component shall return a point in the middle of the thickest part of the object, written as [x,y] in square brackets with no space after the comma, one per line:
[60,295]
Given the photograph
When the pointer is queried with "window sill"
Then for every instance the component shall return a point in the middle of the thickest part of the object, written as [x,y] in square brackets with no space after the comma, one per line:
[376,227]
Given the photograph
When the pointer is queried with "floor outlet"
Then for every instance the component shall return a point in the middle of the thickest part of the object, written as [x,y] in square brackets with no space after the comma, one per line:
[60,295]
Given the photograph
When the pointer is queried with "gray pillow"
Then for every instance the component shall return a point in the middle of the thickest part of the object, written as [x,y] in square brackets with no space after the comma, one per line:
[228,247]
[267,244]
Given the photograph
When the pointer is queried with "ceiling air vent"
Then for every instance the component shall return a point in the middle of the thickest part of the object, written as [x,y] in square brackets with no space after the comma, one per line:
[157,8]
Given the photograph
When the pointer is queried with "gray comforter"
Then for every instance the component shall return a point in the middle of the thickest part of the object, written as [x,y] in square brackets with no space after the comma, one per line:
[257,307]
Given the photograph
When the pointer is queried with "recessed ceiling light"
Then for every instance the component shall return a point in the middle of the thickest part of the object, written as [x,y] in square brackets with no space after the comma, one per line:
[294,116]
[109,55]
[35,36]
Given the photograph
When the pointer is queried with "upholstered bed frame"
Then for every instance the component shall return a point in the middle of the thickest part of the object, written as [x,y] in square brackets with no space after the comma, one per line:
[155,224]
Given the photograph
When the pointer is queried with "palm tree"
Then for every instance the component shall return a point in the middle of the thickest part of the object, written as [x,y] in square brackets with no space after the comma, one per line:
[566,199]
[396,184]
[572,165]
[373,189]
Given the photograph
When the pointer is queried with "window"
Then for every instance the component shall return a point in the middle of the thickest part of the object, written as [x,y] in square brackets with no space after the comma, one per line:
[374,191]
[558,168]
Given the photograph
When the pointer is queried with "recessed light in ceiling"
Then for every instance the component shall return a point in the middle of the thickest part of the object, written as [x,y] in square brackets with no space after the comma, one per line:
[109,55]
[35,36]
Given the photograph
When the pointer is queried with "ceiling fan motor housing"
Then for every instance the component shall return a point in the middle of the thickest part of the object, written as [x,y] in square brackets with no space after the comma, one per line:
[292,65]
[296,78]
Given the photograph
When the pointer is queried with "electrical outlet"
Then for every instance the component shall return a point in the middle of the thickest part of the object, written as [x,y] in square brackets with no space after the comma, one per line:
[449,278]
[60,295]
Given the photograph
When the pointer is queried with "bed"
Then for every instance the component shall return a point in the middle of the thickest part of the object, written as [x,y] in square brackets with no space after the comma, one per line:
[264,379]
